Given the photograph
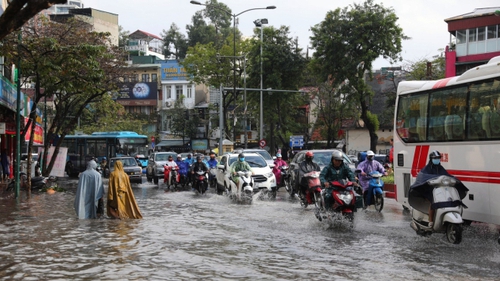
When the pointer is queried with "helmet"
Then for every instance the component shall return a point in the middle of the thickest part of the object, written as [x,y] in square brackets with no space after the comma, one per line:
[179,156]
[104,158]
[278,155]
[198,157]
[370,153]
[211,153]
[241,155]
[435,155]
[309,154]
[189,155]
[337,155]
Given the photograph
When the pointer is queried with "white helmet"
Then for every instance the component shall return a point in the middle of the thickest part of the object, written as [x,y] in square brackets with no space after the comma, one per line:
[370,153]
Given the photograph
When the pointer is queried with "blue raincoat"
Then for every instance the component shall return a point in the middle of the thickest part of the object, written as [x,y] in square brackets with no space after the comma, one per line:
[90,190]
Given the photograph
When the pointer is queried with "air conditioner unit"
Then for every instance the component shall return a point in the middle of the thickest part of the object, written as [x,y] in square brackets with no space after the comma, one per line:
[169,104]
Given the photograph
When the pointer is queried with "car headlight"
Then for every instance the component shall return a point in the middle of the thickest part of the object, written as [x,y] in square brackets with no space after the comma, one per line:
[268,175]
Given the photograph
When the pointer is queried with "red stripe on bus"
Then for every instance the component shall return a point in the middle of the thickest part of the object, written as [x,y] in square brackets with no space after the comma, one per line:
[468,173]
[419,159]
[478,180]
[441,83]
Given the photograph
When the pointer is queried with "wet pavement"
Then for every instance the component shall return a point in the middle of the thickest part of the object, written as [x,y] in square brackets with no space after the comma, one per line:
[184,236]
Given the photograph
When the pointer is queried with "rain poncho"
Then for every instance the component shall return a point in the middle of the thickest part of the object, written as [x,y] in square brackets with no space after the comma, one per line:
[90,190]
[420,188]
[121,200]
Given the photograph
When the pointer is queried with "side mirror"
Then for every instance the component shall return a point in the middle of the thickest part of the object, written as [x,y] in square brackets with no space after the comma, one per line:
[357,171]
[274,157]
[271,166]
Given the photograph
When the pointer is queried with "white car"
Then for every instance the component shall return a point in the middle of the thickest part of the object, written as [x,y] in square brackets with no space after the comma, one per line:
[263,174]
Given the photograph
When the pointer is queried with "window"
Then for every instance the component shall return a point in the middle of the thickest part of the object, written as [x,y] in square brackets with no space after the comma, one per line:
[169,92]
[447,114]
[178,91]
[484,117]
[412,117]
[472,35]
[134,78]
[481,33]
[461,36]
[492,32]
[145,78]
[189,92]
[154,77]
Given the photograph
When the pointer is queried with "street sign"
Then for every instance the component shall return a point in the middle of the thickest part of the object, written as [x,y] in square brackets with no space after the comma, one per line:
[297,141]
[262,143]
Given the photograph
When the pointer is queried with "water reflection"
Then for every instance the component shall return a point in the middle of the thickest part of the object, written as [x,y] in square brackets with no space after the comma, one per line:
[184,236]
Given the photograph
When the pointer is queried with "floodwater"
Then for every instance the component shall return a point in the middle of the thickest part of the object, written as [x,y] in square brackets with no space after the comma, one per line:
[188,237]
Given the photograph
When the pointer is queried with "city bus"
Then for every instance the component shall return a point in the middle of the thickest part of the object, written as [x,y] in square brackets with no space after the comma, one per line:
[82,148]
[460,118]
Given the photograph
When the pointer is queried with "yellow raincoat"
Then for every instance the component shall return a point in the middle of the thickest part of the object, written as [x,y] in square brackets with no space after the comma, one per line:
[121,200]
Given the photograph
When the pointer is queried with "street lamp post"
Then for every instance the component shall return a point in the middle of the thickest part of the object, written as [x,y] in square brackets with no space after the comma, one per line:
[259,23]
[234,45]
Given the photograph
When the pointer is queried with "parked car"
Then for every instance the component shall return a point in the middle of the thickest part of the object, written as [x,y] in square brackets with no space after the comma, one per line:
[143,160]
[322,157]
[263,174]
[156,161]
[130,166]
[262,152]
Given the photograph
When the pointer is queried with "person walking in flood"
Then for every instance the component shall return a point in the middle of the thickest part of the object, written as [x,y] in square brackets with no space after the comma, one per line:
[88,201]
[121,201]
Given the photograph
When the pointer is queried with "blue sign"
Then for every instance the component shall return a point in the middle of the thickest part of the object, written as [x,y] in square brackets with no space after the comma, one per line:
[296,141]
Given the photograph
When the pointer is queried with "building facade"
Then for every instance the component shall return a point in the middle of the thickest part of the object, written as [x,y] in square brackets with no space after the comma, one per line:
[474,39]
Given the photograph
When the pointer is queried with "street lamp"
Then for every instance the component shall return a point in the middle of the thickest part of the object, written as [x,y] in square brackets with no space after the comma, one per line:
[259,23]
[234,43]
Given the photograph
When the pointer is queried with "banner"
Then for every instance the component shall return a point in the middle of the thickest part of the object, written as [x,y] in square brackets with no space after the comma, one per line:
[60,164]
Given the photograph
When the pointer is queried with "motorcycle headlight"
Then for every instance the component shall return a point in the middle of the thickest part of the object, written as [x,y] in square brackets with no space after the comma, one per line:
[347,198]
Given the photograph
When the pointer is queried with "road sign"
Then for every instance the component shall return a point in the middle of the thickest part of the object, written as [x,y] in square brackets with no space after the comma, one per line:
[262,143]
[296,141]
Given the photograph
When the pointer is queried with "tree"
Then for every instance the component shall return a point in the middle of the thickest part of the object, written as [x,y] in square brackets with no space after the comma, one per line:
[347,42]
[183,122]
[70,63]
[283,68]
[123,36]
[174,39]
[426,70]
[217,30]
[21,11]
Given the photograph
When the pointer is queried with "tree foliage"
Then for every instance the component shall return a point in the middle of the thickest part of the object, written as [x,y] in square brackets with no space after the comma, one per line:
[184,122]
[347,42]
[426,70]
[21,11]
[174,43]
[69,63]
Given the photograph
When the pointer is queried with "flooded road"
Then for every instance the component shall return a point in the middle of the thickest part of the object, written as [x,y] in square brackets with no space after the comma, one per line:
[188,237]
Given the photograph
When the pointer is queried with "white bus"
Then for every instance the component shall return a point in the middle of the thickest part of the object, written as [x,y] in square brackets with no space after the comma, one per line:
[460,118]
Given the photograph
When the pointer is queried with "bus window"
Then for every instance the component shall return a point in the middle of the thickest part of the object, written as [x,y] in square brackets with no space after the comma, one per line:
[412,117]
[486,94]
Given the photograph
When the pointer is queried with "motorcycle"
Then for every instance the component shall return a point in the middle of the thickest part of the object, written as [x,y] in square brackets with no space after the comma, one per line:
[313,186]
[375,192]
[447,193]
[200,183]
[285,179]
[37,183]
[344,201]
[213,177]
[244,188]
[171,176]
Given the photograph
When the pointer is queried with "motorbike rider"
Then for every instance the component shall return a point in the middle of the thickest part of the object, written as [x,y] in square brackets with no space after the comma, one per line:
[305,167]
[335,170]
[212,163]
[189,160]
[278,163]
[240,165]
[434,168]
[183,166]
[198,166]
[366,167]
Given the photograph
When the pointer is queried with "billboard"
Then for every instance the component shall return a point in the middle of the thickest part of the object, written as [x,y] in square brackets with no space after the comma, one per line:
[137,94]
[172,71]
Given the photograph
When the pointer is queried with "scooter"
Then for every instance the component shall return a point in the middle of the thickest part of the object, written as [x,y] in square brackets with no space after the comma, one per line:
[447,193]
[213,177]
[375,192]
[285,178]
[313,186]
[341,199]
[200,183]
[243,192]
[171,176]
[37,183]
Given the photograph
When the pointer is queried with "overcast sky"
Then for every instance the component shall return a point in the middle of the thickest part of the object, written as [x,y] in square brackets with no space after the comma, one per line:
[422,20]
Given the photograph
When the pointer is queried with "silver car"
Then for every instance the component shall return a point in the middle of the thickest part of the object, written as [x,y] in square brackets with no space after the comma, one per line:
[130,166]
